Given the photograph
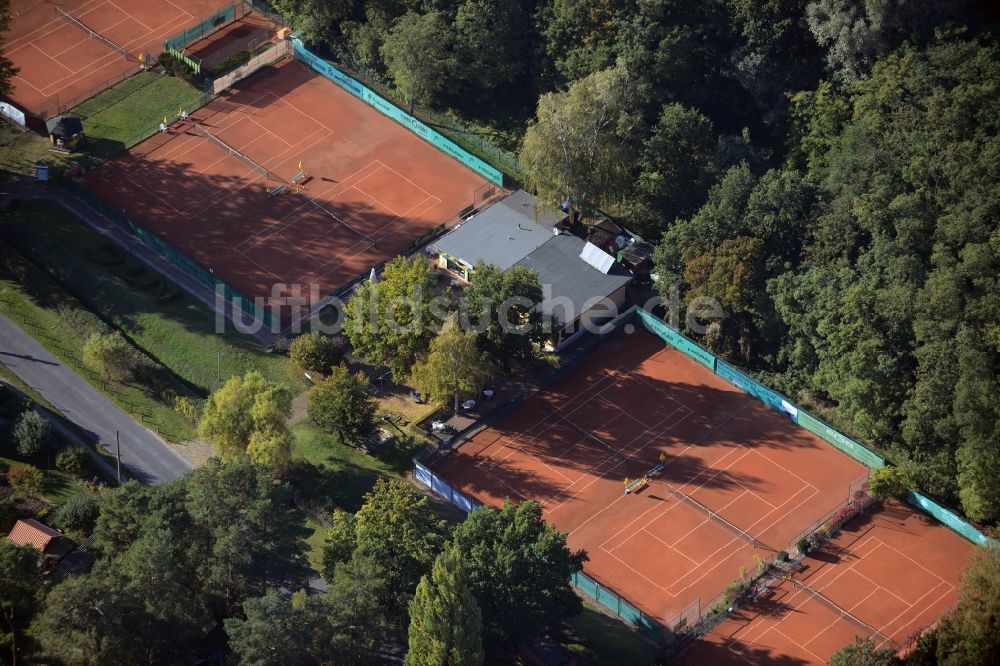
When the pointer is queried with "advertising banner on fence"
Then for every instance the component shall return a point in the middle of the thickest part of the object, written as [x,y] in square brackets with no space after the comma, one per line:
[955,522]
[762,393]
[676,340]
[12,112]
[842,442]
[382,105]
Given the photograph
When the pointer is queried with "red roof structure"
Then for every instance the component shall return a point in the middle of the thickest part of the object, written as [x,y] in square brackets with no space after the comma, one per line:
[30,532]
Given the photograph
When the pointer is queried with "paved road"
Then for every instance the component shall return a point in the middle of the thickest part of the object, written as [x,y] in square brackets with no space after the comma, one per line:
[145,455]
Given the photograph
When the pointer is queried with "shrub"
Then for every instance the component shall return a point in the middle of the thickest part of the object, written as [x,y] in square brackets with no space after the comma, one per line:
[892,481]
[314,351]
[110,355]
[187,408]
[33,433]
[8,514]
[78,513]
[72,460]
[802,546]
[26,480]
[782,556]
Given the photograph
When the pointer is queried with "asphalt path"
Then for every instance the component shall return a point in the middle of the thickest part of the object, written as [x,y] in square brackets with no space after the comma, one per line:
[146,456]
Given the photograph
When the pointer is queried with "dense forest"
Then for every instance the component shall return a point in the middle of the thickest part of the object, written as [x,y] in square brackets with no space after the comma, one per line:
[826,170]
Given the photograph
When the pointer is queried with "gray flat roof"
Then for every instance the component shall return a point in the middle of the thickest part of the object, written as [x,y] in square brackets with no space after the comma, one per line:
[503,234]
[566,277]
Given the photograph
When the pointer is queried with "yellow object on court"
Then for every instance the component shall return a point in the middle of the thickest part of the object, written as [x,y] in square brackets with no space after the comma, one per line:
[663,456]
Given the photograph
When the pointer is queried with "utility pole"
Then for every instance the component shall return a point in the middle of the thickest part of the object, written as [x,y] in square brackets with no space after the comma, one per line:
[118,454]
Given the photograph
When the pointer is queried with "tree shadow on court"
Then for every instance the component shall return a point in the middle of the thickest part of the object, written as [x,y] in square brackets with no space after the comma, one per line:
[503,479]
[735,651]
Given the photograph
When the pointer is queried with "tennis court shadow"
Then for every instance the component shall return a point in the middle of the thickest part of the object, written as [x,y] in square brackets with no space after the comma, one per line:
[735,652]
[502,481]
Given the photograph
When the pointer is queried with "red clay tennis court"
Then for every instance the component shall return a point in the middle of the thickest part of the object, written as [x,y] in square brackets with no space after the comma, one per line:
[572,445]
[888,574]
[60,63]
[372,187]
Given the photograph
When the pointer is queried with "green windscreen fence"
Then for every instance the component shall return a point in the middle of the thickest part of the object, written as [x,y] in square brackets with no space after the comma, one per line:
[249,306]
[389,109]
[221,18]
[675,339]
[949,518]
[616,604]
[770,398]
[857,451]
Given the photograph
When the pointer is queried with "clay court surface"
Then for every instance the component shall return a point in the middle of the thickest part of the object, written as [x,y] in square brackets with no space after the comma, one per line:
[373,187]
[894,570]
[60,63]
[571,446]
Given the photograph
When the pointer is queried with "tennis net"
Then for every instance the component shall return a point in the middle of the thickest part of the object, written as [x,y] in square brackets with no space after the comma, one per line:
[713,516]
[884,640]
[94,34]
[235,153]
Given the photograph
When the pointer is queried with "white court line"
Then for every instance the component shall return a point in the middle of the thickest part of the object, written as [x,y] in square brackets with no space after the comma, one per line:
[119,8]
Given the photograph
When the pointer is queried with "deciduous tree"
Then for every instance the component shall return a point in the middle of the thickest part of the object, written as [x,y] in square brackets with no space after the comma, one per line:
[418,56]
[242,407]
[503,306]
[33,433]
[454,367]
[390,322]
[580,145]
[110,355]
[340,404]
[519,568]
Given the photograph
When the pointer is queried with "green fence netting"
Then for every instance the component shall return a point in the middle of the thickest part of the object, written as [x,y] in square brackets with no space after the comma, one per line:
[770,398]
[675,339]
[614,602]
[249,306]
[221,18]
[949,518]
[389,109]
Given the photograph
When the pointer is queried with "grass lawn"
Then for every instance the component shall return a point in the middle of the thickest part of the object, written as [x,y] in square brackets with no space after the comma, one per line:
[58,486]
[330,473]
[113,120]
[176,330]
[117,117]
[596,638]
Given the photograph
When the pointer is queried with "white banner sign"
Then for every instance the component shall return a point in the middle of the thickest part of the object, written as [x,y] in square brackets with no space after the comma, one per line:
[13,113]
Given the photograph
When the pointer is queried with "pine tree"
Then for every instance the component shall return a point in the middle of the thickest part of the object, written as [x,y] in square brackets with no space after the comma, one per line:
[445,622]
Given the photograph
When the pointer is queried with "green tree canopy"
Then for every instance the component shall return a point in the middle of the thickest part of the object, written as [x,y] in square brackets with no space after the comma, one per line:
[418,55]
[390,322]
[445,622]
[580,146]
[314,351]
[503,306]
[454,367]
[519,569]
[33,433]
[968,636]
[248,408]
[20,581]
[863,653]
[110,355]
[340,404]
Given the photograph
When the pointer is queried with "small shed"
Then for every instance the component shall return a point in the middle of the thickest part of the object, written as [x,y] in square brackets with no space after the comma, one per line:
[65,132]
[30,532]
